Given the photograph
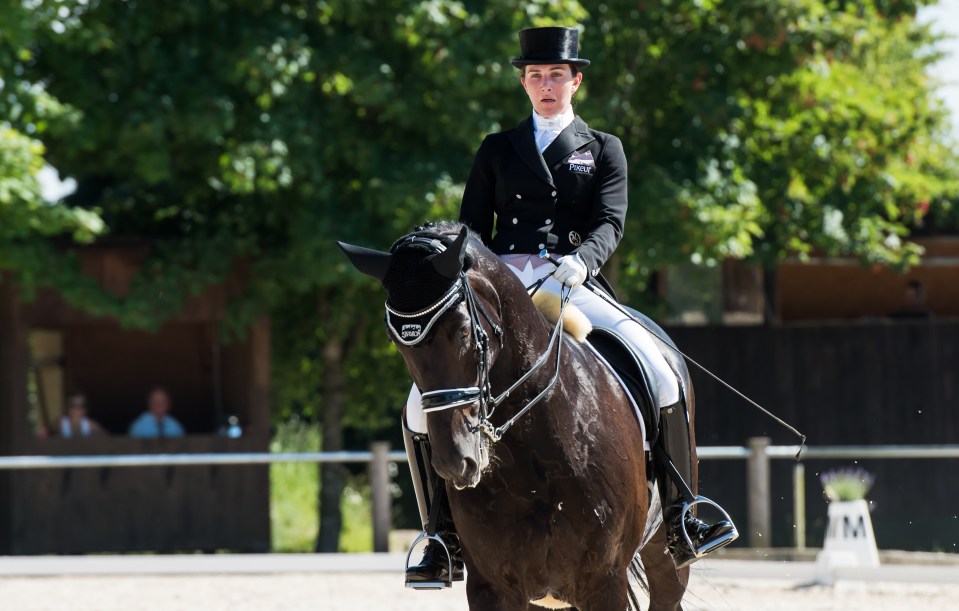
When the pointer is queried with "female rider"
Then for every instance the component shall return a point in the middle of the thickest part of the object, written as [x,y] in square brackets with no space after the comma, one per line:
[553,183]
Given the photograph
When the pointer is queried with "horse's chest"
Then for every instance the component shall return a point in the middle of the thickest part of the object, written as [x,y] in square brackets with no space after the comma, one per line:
[542,538]
[543,511]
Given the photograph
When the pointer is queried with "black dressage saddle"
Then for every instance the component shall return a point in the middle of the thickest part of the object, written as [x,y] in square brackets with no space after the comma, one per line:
[638,382]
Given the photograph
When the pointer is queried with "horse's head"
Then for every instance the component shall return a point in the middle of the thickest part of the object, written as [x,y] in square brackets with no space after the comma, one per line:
[440,314]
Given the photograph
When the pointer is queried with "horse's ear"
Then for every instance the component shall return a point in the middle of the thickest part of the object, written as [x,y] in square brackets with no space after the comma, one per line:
[449,263]
[370,262]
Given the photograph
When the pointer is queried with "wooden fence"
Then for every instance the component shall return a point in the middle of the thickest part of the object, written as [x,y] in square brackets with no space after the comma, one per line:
[844,384]
[161,509]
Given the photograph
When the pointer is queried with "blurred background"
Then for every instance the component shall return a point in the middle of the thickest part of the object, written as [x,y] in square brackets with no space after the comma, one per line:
[173,177]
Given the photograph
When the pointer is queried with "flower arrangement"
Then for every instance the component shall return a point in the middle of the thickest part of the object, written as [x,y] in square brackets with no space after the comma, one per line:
[846,484]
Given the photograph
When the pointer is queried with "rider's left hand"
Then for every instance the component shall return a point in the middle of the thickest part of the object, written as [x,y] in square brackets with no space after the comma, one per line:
[571,271]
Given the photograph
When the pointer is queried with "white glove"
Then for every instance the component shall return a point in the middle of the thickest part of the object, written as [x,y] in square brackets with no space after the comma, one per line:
[571,271]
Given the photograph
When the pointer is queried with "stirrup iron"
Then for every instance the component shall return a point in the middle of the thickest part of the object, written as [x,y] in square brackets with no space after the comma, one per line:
[717,543]
[430,585]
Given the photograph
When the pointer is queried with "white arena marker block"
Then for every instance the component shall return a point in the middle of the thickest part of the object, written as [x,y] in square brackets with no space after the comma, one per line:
[850,541]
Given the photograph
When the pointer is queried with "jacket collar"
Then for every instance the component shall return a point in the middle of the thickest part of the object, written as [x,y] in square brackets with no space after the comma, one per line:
[523,140]
[575,136]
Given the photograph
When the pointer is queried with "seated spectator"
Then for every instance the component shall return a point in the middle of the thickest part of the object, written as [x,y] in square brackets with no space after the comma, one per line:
[157,421]
[76,423]
[914,303]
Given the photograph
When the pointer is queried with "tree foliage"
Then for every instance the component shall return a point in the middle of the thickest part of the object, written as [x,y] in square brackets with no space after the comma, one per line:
[255,133]
[26,110]
[767,130]
[261,131]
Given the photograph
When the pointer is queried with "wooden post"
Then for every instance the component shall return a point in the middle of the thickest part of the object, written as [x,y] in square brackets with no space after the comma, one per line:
[14,362]
[380,495]
[15,432]
[799,504]
[757,486]
[259,382]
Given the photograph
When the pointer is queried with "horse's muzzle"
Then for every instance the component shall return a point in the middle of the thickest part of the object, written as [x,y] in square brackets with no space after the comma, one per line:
[466,473]
[462,469]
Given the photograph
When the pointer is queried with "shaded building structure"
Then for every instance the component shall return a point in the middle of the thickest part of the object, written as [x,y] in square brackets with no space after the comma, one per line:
[839,367]
[842,289]
[49,349]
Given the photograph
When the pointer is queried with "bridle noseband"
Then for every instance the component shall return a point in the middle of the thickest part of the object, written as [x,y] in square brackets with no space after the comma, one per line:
[449,398]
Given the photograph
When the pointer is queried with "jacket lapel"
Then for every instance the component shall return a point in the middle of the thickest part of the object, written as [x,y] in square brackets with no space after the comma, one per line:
[525,144]
[575,136]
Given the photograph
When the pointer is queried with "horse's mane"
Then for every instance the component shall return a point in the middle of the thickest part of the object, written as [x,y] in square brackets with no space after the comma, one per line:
[438,227]
[444,231]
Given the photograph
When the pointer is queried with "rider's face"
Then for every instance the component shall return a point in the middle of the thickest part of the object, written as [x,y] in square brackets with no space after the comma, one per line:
[550,87]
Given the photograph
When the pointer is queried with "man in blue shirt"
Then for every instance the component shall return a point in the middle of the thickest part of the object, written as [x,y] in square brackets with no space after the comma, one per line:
[157,421]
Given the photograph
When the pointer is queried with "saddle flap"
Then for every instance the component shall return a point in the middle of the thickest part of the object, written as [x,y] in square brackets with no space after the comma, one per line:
[628,367]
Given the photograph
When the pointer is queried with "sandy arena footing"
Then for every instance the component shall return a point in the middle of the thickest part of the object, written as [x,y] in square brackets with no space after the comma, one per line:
[374,581]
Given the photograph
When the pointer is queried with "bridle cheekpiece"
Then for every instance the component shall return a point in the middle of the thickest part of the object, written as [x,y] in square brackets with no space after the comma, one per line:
[411,328]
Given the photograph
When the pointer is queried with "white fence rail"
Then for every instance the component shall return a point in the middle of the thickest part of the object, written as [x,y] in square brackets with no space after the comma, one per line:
[19,463]
[757,455]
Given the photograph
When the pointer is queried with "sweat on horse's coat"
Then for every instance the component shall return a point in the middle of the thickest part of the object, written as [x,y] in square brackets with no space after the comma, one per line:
[558,504]
[578,326]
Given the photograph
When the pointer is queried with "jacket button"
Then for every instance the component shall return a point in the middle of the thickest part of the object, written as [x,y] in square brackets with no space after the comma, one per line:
[542,246]
[515,220]
[549,221]
[512,246]
[518,196]
[553,193]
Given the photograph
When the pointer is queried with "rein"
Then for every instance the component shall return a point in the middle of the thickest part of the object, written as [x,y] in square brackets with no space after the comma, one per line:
[448,398]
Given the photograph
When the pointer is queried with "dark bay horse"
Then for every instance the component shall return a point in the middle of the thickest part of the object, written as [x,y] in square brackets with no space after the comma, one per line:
[552,513]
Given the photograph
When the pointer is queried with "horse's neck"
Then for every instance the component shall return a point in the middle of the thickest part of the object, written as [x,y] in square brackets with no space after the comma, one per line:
[526,339]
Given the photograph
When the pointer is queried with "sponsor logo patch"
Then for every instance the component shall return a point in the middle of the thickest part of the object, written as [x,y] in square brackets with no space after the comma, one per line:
[582,163]
[411,331]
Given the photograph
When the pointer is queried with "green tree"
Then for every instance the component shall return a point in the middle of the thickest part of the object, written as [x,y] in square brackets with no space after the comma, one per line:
[25,216]
[766,130]
[257,132]
[254,134]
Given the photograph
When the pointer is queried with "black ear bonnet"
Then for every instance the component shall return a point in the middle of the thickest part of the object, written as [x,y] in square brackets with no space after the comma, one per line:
[412,280]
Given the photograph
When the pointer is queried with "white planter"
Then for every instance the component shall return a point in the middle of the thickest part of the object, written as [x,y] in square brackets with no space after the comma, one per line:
[850,541]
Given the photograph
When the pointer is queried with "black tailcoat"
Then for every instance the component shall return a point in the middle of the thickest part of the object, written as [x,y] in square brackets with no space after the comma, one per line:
[556,200]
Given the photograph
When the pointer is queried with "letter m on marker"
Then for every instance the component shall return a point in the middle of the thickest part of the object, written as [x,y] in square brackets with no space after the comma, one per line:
[853,532]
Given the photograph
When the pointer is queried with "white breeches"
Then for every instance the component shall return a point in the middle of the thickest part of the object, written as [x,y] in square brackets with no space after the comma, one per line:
[600,314]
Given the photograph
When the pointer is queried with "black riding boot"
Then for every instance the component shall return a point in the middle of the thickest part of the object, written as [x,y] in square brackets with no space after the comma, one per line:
[433,571]
[673,464]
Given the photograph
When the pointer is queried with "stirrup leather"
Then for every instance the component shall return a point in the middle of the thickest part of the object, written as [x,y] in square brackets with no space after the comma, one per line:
[430,585]
[709,546]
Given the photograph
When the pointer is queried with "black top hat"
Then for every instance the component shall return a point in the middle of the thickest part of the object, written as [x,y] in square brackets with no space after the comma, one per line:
[552,45]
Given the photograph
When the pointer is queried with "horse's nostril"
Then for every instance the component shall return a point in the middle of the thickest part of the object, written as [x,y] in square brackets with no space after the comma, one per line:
[469,466]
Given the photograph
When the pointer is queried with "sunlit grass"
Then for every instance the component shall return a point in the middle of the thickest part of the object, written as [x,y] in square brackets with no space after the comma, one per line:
[357,534]
[294,494]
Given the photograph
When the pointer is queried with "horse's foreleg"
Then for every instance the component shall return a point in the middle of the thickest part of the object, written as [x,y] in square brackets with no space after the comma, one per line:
[609,594]
[485,596]
[666,584]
